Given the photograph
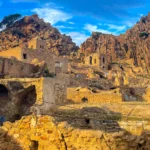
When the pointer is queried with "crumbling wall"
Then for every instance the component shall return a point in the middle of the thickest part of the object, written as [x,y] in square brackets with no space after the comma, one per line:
[35,95]
[32,133]
[92,60]
[85,95]
[28,55]
[15,69]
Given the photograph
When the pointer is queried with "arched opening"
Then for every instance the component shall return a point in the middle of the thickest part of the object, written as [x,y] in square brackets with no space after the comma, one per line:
[4,99]
[27,101]
[90,60]
[3,94]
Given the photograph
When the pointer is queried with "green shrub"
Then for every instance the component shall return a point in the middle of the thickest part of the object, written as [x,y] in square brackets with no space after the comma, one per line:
[144,34]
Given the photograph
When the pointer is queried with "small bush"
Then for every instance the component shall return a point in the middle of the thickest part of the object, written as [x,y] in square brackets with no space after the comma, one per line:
[144,34]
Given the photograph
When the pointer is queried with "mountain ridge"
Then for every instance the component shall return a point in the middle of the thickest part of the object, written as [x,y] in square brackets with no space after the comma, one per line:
[29,27]
[134,44]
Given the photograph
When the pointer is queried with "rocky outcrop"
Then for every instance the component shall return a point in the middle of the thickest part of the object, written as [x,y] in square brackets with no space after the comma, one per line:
[31,26]
[133,44]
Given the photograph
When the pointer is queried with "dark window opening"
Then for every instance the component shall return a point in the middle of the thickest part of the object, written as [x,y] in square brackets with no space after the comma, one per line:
[87,121]
[34,145]
[103,60]
[3,93]
[90,60]
[42,46]
[4,100]
[84,100]
[24,56]
[95,61]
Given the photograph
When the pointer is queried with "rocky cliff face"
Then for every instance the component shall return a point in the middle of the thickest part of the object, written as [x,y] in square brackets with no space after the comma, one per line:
[135,44]
[30,27]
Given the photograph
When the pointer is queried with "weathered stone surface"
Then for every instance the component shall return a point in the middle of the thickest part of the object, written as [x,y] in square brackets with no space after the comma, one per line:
[30,27]
[61,136]
[134,44]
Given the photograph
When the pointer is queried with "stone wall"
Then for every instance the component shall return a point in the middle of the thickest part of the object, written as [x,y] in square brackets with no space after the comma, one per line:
[49,93]
[12,53]
[92,60]
[45,133]
[10,68]
[85,95]
[40,55]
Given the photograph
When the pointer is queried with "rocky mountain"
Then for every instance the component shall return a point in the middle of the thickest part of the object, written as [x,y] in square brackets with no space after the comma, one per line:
[134,44]
[29,27]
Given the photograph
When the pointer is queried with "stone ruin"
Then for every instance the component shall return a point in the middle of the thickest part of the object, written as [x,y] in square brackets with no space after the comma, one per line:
[27,87]
[43,113]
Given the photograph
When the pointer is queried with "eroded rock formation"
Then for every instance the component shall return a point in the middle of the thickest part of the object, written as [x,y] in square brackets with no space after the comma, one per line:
[30,27]
[134,44]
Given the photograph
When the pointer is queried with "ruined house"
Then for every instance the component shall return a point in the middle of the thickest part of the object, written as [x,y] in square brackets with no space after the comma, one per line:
[97,61]
[36,51]
[27,87]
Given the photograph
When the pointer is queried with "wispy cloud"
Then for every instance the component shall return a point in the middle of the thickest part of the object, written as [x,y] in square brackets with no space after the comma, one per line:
[94,28]
[77,37]
[63,27]
[105,28]
[116,27]
[51,13]
[71,22]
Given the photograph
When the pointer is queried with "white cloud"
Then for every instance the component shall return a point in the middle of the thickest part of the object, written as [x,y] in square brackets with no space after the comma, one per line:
[71,22]
[94,28]
[116,27]
[77,37]
[52,14]
[63,27]
[130,23]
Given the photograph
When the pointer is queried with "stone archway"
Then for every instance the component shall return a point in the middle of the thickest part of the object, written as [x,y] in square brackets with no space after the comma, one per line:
[4,100]
[28,99]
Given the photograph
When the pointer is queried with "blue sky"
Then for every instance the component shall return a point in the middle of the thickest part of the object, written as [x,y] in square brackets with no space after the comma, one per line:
[78,18]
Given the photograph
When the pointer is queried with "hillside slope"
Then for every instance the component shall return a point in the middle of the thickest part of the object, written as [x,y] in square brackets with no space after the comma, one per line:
[32,26]
[134,44]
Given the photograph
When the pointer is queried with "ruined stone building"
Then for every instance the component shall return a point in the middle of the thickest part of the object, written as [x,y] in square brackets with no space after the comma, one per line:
[35,51]
[27,83]
[97,61]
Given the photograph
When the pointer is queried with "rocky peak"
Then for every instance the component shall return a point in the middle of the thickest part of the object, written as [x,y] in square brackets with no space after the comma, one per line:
[134,44]
[32,26]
